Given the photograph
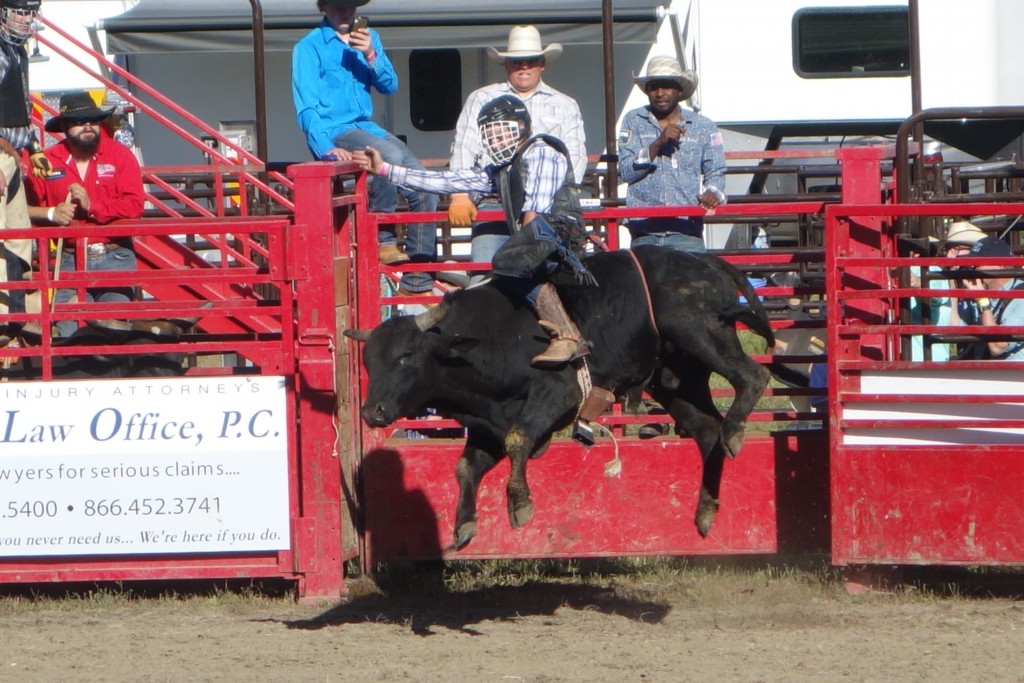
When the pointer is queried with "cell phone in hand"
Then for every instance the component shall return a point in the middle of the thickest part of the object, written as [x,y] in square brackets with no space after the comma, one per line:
[359,23]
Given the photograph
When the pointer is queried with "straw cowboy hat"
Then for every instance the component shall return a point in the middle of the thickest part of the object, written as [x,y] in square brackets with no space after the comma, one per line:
[668,69]
[965,233]
[77,105]
[524,43]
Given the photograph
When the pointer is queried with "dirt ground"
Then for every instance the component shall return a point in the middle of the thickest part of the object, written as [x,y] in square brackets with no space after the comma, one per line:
[660,626]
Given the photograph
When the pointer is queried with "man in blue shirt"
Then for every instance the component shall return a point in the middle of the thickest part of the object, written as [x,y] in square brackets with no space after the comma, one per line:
[665,151]
[333,69]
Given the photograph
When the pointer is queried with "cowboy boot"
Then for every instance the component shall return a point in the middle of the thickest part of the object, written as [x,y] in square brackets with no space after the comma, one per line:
[566,341]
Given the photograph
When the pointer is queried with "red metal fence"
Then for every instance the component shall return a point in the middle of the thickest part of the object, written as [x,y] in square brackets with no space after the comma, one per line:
[774,495]
[238,278]
[926,458]
[272,295]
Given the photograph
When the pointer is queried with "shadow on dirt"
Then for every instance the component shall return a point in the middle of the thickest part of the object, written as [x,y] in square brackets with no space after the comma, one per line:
[462,610]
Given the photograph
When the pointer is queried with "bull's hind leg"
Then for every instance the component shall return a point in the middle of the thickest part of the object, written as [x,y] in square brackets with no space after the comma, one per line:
[748,380]
[696,416]
[478,457]
[720,351]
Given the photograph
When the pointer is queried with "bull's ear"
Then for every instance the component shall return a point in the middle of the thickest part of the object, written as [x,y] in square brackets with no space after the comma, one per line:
[358,335]
[458,346]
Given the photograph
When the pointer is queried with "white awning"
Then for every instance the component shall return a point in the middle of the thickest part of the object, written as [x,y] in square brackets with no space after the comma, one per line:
[205,26]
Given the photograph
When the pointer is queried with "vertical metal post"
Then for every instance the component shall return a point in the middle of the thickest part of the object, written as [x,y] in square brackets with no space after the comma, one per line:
[915,106]
[310,248]
[612,189]
[258,55]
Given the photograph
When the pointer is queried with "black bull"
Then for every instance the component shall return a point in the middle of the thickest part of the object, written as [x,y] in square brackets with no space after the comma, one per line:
[469,359]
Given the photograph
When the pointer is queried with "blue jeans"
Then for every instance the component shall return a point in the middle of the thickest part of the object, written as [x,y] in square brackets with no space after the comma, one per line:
[117,259]
[482,250]
[15,271]
[675,240]
[487,238]
[420,238]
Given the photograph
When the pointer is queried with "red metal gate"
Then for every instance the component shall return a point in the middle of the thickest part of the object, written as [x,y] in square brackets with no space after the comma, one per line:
[926,458]
[408,490]
[256,337]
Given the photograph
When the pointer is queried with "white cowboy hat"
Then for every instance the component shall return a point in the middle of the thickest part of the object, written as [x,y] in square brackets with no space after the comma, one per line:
[965,233]
[524,43]
[668,69]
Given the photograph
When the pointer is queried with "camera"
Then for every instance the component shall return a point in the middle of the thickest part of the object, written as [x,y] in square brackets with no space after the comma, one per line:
[962,273]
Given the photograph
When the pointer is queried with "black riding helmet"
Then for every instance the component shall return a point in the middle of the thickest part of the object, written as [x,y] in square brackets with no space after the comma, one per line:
[504,122]
[14,34]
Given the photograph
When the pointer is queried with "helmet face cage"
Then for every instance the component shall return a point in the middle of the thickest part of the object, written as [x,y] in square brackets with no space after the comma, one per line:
[501,139]
[18,20]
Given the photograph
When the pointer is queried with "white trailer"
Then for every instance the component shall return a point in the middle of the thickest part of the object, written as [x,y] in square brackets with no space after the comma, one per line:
[772,74]
[786,67]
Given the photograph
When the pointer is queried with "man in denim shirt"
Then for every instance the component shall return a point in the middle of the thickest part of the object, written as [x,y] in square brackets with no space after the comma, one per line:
[664,152]
[334,68]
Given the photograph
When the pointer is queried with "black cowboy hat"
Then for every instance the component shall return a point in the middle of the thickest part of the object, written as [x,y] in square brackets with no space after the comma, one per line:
[77,105]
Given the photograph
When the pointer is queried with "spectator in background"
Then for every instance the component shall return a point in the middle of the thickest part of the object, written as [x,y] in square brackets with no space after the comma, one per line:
[17,24]
[334,68]
[96,180]
[670,156]
[551,112]
[960,237]
[1009,312]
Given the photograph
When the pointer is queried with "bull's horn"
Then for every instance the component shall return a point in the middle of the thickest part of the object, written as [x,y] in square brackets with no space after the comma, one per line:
[358,335]
[431,317]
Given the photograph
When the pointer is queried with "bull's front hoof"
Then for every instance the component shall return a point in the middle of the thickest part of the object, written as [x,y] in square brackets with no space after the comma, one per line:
[732,439]
[706,509]
[518,516]
[464,533]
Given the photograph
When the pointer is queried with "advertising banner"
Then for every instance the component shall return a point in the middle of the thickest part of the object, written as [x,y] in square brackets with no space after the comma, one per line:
[154,465]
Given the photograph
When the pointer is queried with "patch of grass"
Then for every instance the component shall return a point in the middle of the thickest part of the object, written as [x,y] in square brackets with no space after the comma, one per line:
[657,578]
[760,580]
[121,596]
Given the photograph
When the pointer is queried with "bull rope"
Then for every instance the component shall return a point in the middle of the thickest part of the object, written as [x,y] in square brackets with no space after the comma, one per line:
[613,467]
[647,290]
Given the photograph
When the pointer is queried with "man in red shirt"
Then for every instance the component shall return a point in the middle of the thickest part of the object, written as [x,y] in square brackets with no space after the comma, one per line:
[96,180]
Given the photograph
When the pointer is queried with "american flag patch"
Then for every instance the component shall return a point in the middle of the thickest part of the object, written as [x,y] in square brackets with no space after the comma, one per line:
[625,136]
[716,139]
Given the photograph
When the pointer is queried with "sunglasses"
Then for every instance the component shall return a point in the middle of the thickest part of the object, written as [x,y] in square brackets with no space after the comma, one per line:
[660,85]
[530,62]
[82,122]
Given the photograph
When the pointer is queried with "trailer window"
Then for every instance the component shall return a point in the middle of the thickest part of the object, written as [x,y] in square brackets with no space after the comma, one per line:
[435,89]
[851,42]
